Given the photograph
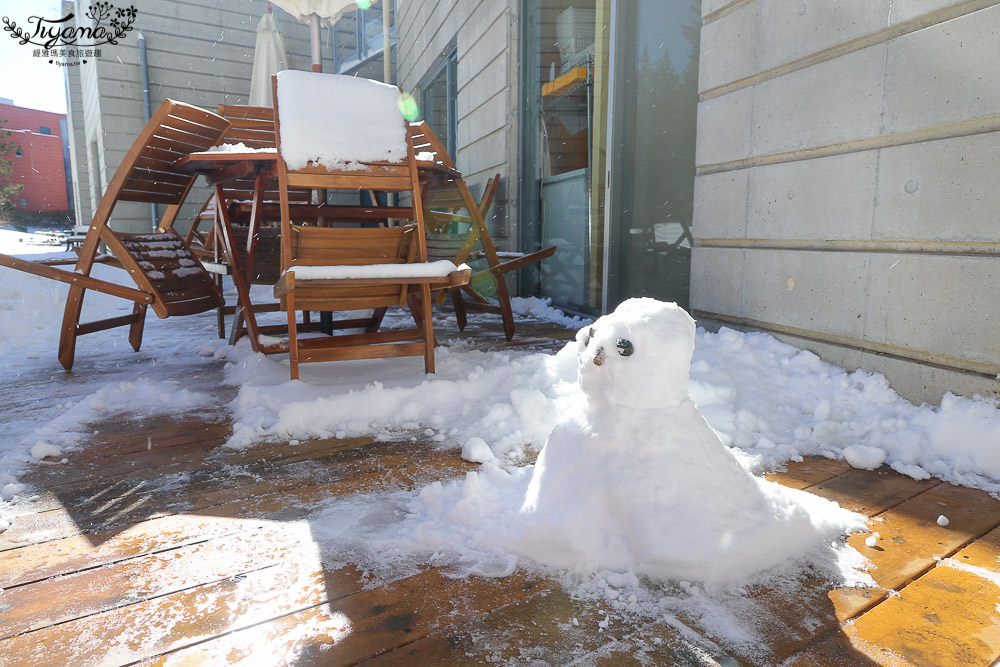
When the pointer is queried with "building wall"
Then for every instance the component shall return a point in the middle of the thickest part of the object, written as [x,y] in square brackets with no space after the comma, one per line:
[40,169]
[79,171]
[486,35]
[846,196]
[199,52]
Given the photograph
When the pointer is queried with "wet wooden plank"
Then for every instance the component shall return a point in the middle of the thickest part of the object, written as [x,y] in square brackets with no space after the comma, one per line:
[910,540]
[48,559]
[547,626]
[202,483]
[811,470]
[661,644]
[370,622]
[61,556]
[870,492]
[947,617]
[983,552]
[838,649]
[783,616]
[172,621]
[91,591]
[82,510]
[126,449]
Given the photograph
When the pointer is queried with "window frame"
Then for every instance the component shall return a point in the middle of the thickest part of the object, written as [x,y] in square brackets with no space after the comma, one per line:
[446,65]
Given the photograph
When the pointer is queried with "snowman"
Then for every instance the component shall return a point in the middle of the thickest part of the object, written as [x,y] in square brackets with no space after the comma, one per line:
[639,482]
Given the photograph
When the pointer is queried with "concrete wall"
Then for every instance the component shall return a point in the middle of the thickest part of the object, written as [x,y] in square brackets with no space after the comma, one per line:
[486,34]
[199,52]
[846,196]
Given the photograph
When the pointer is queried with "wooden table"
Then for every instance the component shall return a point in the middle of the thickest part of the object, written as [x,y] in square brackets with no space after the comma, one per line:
[222,167]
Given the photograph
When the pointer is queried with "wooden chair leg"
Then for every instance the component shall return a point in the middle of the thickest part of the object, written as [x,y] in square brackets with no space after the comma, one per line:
[220,318]
[293,338]
[428,327]
[376,321]
[71,319]
[137,326]
[459,303]
[503,299]
[238,325]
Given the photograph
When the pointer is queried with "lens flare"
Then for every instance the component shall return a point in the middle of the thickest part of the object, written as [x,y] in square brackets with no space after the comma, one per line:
[408,107]
[363,4]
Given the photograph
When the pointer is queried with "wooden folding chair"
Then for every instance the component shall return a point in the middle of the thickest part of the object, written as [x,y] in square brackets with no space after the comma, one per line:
[168,277]
[341,268]
[457,230]
[252,214]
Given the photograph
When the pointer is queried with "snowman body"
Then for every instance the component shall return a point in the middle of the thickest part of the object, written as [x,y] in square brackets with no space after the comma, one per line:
[640,482]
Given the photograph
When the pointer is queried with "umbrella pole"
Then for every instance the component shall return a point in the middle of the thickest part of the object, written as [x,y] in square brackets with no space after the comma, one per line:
[386,47]
[315,42]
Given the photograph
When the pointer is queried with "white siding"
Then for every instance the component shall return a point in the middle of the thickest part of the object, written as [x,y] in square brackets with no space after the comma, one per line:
[199,52]
[846,194]
[485,32]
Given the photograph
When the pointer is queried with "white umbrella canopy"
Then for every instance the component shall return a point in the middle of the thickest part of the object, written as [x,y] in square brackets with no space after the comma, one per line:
[314,11]
[269,58]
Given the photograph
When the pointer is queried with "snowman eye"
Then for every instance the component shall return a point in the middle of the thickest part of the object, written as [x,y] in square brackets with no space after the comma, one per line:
[590,336]
[625,347]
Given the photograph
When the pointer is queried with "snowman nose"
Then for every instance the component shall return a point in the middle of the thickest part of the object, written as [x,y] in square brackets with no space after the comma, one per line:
[599,357]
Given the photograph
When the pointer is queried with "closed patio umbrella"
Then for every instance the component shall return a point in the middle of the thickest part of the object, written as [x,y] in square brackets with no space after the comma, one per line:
[315,11]
[269,58]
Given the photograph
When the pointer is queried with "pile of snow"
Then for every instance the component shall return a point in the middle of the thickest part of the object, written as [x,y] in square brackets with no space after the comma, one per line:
[318,125]
[542,309]
[238,147]
[769,401]
[635,482]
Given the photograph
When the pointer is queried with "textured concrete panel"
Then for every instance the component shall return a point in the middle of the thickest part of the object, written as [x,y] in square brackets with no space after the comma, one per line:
[817,291]
[937,304]
[920,383]
[793,29]
[720,205]
[825,198]
[724,128]
[716,280]
[728,48]
[944,74]
[833,101]
[940,190]
[709,6]
[905,10]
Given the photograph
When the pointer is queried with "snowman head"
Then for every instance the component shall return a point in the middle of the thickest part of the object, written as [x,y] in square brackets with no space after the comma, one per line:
[638,356]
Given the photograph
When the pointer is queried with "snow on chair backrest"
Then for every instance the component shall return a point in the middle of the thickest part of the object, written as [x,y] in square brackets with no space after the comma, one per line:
[336,121]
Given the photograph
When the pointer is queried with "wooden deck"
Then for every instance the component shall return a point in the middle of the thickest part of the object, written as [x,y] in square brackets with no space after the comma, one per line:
[155,545]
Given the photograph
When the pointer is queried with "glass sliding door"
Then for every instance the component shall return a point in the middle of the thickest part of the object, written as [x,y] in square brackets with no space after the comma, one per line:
[651,152]
[563,77]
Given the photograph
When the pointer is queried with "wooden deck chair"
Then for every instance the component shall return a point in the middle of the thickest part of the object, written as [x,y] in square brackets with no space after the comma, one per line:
[253,215]
[168,277]
[457,230]
[340,132]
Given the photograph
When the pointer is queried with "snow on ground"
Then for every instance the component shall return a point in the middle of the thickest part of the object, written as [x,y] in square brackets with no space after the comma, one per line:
[767,401]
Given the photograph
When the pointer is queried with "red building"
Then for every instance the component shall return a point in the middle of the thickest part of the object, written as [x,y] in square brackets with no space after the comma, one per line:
[40,160]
